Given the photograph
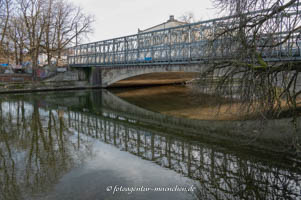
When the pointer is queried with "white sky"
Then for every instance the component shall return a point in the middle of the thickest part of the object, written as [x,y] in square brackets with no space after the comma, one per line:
[116,18]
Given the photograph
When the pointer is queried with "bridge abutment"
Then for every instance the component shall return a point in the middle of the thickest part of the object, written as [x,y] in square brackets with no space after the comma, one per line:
[95,76]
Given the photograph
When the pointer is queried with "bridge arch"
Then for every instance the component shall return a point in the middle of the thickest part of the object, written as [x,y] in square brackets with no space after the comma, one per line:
[105,77]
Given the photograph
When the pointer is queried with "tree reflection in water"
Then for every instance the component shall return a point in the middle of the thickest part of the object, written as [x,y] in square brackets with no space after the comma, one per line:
[39,145]
[36,149]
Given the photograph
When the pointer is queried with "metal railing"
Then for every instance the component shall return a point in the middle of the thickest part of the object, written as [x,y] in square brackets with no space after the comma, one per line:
[195,42]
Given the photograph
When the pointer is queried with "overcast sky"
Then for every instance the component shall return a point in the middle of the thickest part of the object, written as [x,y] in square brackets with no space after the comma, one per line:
[116,18]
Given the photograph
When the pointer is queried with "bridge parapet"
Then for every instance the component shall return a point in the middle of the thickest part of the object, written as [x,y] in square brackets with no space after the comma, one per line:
[191,43]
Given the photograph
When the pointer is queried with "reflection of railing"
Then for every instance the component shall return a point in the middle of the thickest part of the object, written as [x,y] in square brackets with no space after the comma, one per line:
[54,136]
[225,174]
[183,44]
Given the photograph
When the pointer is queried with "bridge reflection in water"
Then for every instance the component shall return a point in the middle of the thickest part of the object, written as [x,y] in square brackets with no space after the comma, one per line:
[41,139]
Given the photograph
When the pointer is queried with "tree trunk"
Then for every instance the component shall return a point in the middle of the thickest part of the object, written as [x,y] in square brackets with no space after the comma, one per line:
[16,52]
[21,54]
[34,59]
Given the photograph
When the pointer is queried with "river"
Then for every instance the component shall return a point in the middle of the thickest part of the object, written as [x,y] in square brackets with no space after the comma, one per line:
[151,143]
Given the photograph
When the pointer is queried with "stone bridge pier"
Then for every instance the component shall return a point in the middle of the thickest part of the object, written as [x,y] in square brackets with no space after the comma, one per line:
[106,76]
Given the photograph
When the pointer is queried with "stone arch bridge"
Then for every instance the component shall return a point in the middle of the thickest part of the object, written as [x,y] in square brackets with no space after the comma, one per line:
[185,48]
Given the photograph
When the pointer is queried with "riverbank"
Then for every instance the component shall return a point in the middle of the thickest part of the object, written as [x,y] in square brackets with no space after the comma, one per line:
[43,86]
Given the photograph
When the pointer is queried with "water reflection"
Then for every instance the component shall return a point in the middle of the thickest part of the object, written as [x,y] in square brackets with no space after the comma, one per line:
[44,137]
[36,149]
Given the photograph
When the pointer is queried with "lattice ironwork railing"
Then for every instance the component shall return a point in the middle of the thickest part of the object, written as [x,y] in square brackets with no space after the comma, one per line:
[196,42]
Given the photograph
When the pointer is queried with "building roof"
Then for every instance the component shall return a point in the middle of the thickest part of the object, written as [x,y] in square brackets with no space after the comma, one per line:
[171,22]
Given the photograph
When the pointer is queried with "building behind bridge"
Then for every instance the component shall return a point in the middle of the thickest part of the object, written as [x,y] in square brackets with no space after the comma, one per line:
[171,22]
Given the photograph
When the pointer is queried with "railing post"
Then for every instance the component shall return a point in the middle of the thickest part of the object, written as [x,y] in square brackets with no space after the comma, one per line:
[113,59]
[138,48]
[95,53]
[126,49]
[104,53]
[189,43]
[151,46]
[169,42]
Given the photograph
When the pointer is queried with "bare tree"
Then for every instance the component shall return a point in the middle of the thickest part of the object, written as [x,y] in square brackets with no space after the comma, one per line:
[5,10]
[33,27]
[253,57]
[65,22]
[33,14]
[17,35]
[48,37]
[247,44]
[70,23]
[188,17]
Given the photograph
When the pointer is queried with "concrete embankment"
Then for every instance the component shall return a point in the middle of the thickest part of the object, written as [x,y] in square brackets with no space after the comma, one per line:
[62,81]
[43,86]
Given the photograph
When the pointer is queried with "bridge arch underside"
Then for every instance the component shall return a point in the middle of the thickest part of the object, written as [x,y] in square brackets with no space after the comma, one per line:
[156,78]
[105,77]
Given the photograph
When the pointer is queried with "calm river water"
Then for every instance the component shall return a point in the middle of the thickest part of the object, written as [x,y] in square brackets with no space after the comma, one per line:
[96,145]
